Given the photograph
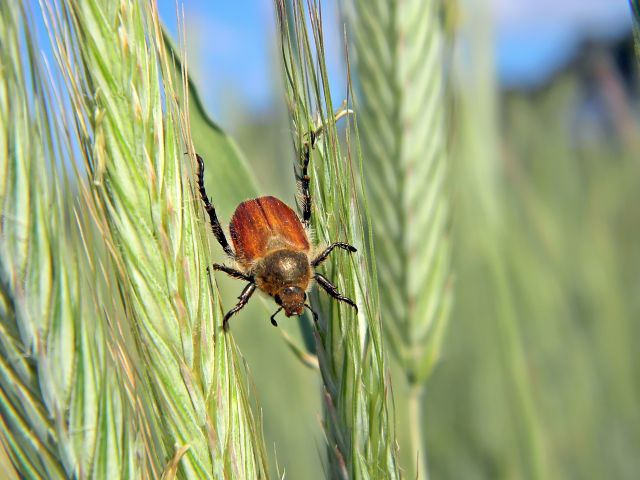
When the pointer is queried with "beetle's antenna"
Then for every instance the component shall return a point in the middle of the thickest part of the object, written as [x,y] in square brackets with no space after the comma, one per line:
[273,317]
[315,315]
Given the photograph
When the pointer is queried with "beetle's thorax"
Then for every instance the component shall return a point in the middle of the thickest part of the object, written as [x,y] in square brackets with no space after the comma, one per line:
[282,268]
[278,272]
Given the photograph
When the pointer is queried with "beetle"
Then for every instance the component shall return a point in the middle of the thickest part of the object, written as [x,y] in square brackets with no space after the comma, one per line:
[272,249]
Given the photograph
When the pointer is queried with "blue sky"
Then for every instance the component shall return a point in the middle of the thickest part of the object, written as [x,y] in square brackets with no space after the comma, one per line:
[230,43]
[536,36]
[231,46]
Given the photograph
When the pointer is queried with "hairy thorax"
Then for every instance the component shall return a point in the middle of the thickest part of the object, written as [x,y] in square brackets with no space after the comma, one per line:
[282,268]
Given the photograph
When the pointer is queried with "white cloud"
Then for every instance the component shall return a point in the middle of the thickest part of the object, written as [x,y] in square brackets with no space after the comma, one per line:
[512,13]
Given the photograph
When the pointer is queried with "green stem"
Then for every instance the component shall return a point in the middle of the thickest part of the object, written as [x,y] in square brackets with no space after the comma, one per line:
[419,468]
[513,358]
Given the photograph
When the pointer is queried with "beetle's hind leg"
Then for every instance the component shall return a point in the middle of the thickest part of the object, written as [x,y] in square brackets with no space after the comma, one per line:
[304,179]
[332,290]
[211,211]
[244,298]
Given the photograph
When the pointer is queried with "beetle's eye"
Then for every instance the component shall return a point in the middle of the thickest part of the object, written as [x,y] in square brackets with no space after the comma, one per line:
[305,295]
[278,299]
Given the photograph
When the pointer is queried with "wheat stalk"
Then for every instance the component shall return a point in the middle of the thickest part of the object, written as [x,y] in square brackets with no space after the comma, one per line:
[635,15]
[399,52]
[483,217]
[358,418]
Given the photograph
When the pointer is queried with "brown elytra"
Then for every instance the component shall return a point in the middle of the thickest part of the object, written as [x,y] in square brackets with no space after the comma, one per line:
[264,225]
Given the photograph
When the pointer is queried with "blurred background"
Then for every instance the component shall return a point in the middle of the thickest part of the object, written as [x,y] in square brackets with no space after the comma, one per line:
[540,373]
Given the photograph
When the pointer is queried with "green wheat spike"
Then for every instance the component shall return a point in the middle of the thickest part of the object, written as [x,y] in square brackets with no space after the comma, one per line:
[399,51]
[400,64]
[358,416]
[180,373]
[52,354]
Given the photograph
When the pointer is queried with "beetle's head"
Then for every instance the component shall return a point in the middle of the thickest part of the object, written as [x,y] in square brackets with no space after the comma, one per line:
[291,299]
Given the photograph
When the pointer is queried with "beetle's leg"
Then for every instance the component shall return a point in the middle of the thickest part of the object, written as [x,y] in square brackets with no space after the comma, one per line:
[323,256]
[331,289]
[232,272]
[213,218]
[244,298]
[273,317]
[303,178]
